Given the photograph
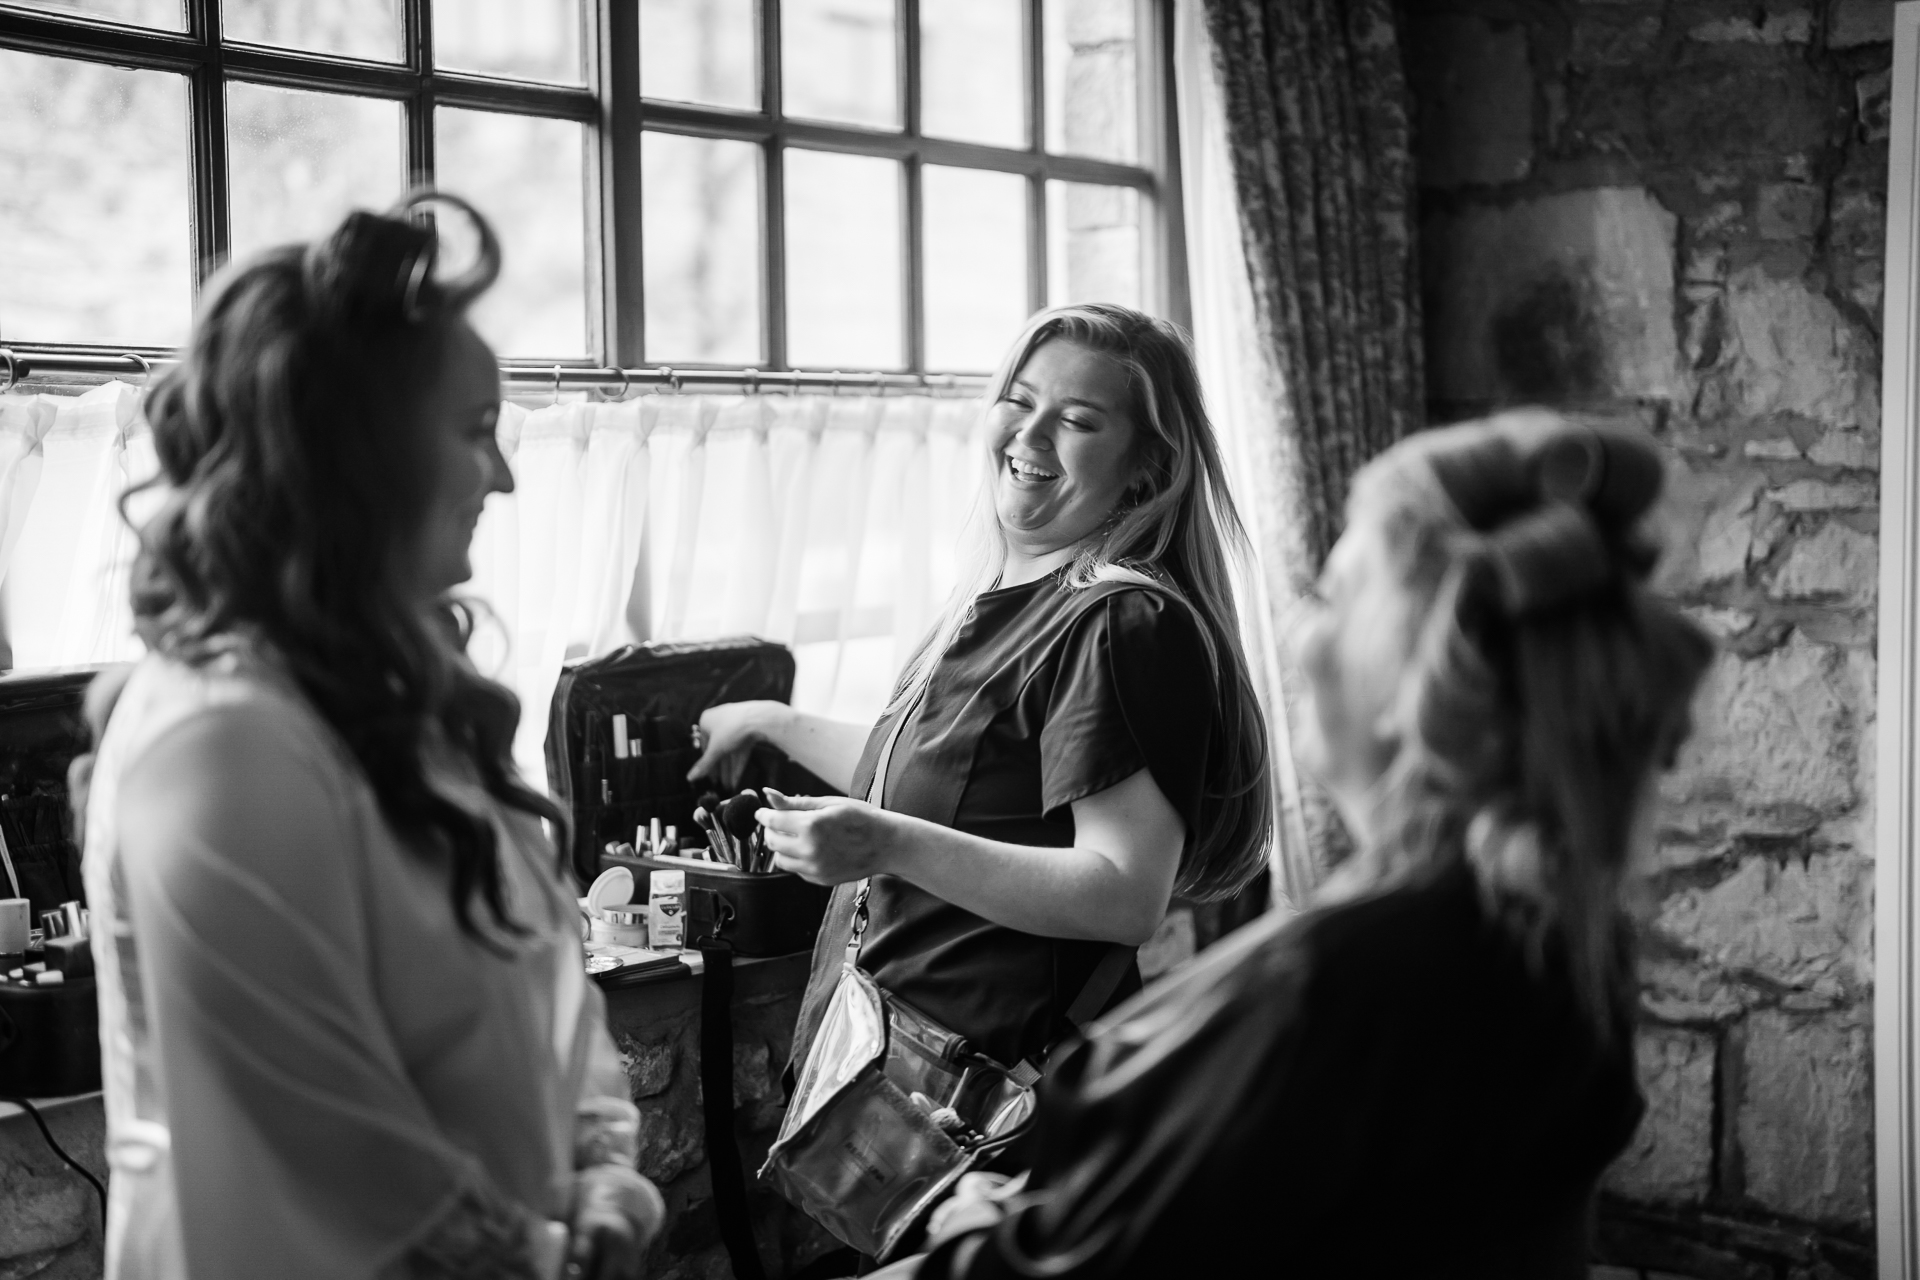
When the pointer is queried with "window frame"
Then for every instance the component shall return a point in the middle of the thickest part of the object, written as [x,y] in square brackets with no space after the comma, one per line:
[610,105]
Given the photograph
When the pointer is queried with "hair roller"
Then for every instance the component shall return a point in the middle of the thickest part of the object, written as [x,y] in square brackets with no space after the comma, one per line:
[1547,558]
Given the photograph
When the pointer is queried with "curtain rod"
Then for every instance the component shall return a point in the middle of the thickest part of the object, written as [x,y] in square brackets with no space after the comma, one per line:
[17,364]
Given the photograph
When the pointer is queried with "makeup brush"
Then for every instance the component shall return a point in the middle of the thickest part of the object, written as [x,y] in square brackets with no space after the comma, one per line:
[704,821]
[736,815]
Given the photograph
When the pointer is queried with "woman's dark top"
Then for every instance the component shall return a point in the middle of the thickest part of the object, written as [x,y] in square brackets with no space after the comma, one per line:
[1379,1088]
[1046,696]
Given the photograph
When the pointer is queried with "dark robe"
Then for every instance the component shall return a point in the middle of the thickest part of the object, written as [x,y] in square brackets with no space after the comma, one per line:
[1385,1087]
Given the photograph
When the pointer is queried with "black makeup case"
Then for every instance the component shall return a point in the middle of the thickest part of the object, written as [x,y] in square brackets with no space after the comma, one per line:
[661,689]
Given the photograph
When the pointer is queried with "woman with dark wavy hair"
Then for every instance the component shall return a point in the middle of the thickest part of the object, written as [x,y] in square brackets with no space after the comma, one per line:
[344,1015]
[1425,1073]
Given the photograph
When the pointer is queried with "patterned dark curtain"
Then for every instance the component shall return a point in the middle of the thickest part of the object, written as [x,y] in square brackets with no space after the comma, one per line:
[1317,115]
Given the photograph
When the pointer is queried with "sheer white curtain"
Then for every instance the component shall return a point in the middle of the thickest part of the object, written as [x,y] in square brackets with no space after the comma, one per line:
[1233,373]
[64,463]
[827,523]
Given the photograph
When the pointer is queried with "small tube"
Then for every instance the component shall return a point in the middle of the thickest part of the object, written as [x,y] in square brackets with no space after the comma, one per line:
[621,748]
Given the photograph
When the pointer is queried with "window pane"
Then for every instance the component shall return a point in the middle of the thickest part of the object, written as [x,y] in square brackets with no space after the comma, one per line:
[971,84]
[1092,80]
[94,183]
[351,28]
[700,214]
[527,175]
[529,39]
[700,51]
[843,261]
[169,15]
[838,61]
[976,247]
[1093,244]
[300,161]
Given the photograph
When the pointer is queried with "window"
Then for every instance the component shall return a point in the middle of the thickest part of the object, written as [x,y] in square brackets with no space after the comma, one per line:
[823,184]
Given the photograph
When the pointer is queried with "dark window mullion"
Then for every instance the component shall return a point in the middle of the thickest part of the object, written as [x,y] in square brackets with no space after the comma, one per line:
[1037,146]
[207,91]
[624,279]
[913,299]
[1160,107]
[773,265]
[418,31]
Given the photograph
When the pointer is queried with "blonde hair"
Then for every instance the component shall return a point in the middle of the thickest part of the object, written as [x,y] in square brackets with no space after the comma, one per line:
[1174,532]
[1546,684]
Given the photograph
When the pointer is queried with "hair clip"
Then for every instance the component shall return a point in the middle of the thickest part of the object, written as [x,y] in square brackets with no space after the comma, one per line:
[416,279]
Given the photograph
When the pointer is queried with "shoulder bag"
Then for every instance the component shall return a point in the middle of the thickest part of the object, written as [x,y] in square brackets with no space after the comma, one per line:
[890,1107]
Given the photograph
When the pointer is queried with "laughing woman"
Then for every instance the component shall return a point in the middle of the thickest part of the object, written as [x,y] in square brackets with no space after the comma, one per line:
[1078,737]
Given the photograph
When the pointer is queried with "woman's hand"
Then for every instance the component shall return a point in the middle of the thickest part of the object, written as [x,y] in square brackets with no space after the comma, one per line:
[978,1200]
[616,1215]
[731,730]
[829,840]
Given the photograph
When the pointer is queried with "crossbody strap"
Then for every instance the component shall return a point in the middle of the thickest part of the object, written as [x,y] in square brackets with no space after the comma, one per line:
[877,797]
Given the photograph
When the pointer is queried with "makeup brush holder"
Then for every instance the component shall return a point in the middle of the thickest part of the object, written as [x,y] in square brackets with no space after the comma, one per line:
[765,913]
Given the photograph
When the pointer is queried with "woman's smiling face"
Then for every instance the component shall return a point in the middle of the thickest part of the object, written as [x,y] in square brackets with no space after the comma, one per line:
[1063,447]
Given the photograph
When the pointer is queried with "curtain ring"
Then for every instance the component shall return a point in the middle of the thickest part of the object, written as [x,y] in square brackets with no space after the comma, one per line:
[752,378]
[666,375]
[146,368]
[625,385]
[833,384]
[13,369]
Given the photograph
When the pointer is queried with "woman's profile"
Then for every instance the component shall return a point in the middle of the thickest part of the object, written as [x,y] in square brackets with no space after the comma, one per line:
[344,1016]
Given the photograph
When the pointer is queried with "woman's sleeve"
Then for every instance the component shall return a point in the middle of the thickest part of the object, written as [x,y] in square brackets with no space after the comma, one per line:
[1133,691]
[299,1145]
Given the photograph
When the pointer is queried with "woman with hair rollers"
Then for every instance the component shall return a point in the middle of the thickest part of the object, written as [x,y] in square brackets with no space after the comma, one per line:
[1426,1073]
[344,1015]
[1076,739]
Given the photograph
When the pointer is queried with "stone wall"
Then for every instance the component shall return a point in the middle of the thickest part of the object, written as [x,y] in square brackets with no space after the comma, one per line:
[49,1216]
[1675,211]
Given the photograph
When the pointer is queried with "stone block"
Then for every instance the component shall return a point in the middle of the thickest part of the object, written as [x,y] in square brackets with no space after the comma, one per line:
[1613,36]
[1706,524]
[1836,565]
[1794,109]
[1793,924]
[1681,991]
[1851,449]
[1789,210]
[1873,104]
[1558,298]
[1795,26]
[1805,1115]
[1856,22]
[1670,1160]
[1825,495]
[650,1065]
[1773,731]
[672,1139]
[1473,87]
[1790,350]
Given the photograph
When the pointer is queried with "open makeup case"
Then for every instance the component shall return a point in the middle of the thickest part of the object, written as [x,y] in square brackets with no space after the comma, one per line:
[49,1031]
[620,740]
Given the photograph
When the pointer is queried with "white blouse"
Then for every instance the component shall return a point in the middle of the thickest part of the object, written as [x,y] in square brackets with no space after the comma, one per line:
[310,1070]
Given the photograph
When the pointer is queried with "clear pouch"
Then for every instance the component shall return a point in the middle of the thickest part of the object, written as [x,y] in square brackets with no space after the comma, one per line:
[889,1110]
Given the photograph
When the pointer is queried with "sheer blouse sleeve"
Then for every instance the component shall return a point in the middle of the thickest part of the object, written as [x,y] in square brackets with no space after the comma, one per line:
[299,1145]
[1133,691]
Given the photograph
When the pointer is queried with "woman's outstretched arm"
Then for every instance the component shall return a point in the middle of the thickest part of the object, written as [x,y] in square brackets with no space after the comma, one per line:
[829,749]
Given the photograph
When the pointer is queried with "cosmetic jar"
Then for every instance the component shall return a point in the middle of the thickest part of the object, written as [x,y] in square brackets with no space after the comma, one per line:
[626,926]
